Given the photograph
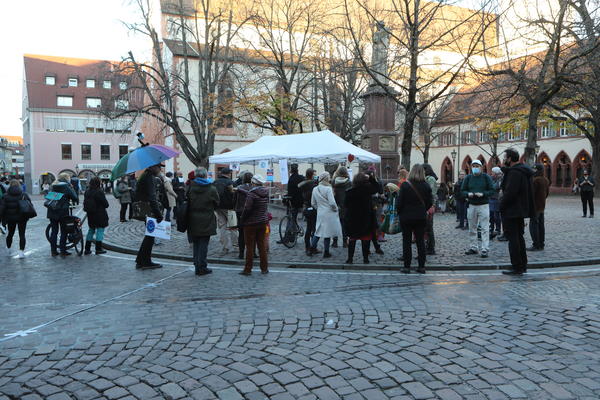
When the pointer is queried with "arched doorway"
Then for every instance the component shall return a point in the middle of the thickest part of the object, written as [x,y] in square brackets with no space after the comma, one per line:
[544,159]
[104,176]
[561,170]
[494,161]
[483,164]
[446,171]
[466,165]
[84,178]
[68,171]
[582,161]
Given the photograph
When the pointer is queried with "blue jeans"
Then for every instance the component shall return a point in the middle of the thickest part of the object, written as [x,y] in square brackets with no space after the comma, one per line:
[56,225]
[200,249]
[168,214]
[99,234]
[315,240]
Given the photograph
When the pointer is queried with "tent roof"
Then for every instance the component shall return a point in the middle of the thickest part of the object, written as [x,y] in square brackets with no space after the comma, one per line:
[318,147]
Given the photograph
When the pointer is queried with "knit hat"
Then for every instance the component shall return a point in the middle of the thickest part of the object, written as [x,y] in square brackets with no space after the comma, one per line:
[476,162]
[324,177]
[497,170]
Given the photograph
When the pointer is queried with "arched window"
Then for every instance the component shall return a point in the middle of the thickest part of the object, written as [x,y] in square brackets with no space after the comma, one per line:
[466,164]
[561,169]
[446,171]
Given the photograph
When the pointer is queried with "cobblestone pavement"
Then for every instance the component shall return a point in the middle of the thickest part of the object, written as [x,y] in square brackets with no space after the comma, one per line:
[95,328]
[566,232]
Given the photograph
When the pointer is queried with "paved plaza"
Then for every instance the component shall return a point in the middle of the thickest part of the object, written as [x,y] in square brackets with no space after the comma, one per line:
[567,238]
[95,328]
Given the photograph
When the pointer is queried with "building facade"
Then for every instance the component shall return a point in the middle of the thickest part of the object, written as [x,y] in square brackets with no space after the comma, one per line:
[15,144]
[65,124]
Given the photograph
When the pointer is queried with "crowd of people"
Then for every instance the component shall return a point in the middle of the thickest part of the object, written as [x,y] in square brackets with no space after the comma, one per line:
[338,208]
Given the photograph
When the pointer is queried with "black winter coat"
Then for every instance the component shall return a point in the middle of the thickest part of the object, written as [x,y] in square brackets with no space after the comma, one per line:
[68,195]
[95,204]
[359,220]
[12,212]
[145,190]
[294,191]
[409,205]
[517,192]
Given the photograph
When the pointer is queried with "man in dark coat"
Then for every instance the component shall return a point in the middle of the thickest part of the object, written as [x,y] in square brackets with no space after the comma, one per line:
[541,190]
[296,199]
[95,205]
[586,190]
[146,192]
[516,204]
[56,216]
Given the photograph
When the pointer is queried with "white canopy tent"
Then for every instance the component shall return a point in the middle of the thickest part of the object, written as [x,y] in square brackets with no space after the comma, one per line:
[316,147]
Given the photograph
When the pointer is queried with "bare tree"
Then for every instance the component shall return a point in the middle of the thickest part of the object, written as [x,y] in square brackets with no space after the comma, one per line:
[182,85]
[417,29]
[427,119]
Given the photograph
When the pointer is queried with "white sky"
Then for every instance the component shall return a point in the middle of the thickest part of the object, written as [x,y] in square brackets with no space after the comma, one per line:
[71,28]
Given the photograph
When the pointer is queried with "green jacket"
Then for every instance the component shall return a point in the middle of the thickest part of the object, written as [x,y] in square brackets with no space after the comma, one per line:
[478,184]
[203,200]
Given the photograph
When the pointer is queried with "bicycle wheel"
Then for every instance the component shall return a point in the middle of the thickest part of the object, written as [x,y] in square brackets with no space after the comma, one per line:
[48,229]
[282,227]
[78,242]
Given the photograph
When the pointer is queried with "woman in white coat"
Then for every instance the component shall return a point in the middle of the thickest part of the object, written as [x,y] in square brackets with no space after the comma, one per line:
[328,221]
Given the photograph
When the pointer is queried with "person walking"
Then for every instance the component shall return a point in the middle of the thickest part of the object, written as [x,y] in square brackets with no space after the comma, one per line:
[170,194]
[431,179]
[586,186]
[495,218]
[478,187]
[341,183]
[328,222]
[146,194]
[414,199]
[296,201]
[541,190]
[359,216]
[516,204]
[224,186]
[239,203]
[461,202]
[125,198]
[55,215]
[13,217]
[203,200]
[254,220]
[310,214]
[95,205]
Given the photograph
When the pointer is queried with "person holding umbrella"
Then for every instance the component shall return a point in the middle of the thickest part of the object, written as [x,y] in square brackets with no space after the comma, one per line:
[146,193]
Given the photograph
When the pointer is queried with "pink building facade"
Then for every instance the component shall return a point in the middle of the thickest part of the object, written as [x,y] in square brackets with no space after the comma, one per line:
[63,130]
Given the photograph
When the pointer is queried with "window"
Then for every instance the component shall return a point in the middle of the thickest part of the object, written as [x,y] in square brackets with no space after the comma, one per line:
[105,152]
[86,151]
[66,151]
[483,137]
[563,129]
[90,83]
[106,84]
[64,101]
[121,104]
[512,135]
[545,131]
[73,82]
[123,150]
[50,80]
[93,102]
[122,85]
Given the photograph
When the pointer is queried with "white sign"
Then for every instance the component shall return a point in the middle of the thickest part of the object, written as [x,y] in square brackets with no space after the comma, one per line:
[234,166]
[283,171]
[350,173]
[263,164]
[161,231]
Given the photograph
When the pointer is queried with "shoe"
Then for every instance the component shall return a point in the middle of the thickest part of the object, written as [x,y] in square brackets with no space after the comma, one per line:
[349,261]
[379,251]
[511,272]
[405,270]
[245,273]
[241,255]
[533,248]
[99,249]
[264,272]
[334,244]
[65,253]
[20,254]
[470,252]
[365,261]
[88,248]
[12,252]
[123,220]
[430,252]
[327,255]
[592,216]
[459,227]
[502,238]
[149,266]
[484,254]
[203,271]
[584,216]
[421,270]
[54,253]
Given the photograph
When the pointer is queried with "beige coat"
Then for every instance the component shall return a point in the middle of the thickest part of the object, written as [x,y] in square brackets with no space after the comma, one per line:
[171,195]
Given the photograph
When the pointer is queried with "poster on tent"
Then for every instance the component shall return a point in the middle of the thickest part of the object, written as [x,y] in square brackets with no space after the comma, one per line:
[234,166]
[269,174]
[263,164]
[283,171]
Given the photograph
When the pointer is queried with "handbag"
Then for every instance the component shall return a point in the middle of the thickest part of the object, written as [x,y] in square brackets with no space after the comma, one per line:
[182,216]
[232,221]
[428,212]
[391,220]
[26,208]
[141,210]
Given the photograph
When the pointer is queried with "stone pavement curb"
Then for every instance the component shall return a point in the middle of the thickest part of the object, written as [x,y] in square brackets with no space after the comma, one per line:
[364,267]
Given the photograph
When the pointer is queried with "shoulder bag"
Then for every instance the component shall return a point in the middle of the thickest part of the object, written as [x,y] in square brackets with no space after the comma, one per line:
[391,221]
[429,212]
[26,208]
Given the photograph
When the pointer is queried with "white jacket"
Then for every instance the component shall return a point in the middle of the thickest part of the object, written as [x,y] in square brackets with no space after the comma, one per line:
[328,220]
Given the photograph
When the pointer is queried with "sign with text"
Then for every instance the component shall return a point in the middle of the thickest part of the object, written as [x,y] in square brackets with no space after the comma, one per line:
[161,231]
[283,171]
[269,174]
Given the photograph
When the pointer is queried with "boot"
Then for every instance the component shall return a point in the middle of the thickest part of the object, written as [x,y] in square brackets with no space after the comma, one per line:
[345,242]
[88,247]
[351,247]
[335,242]
[365,251]
[99,249]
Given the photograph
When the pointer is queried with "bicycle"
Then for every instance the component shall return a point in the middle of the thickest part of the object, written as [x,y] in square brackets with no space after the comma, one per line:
[72,225]
[296,230]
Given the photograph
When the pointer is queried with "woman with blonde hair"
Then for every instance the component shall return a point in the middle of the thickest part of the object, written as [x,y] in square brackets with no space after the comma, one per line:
[414,199]
[328,222]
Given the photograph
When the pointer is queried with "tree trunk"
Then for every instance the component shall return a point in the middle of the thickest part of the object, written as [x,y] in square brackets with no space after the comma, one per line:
[426,153]
[596,156]
[534,113]
[409,125]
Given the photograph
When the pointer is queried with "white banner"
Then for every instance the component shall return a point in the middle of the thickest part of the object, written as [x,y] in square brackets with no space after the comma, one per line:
[234,166]
[161,231]
[283,171]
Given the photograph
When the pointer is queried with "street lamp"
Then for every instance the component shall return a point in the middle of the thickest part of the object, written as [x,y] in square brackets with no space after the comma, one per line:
[453,155]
